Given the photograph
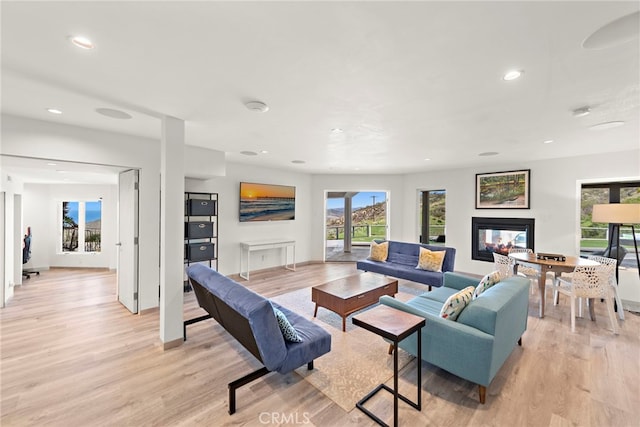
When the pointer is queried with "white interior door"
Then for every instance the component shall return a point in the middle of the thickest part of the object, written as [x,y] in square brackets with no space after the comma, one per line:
[127,270]
[3,259]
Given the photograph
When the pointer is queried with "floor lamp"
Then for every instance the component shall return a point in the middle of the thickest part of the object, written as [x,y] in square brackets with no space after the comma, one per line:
[618,214]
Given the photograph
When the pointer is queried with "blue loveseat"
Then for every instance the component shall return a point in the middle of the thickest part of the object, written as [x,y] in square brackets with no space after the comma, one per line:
[402,260]
[476,345]
[250,319]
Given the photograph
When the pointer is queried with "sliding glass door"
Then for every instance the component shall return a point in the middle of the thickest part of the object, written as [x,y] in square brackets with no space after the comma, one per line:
[352,220]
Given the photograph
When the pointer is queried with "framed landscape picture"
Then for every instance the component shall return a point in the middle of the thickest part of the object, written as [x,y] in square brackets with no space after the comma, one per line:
[503,190]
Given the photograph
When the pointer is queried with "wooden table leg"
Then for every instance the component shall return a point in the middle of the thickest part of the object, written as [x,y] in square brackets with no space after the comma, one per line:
[541,285]
[315,312]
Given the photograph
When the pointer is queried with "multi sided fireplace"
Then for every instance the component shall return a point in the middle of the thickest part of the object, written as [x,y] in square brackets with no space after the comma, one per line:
[491,235]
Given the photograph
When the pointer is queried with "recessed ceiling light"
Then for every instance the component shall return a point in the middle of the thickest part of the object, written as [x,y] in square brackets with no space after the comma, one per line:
[606,125]
[336,130]
[512,75]
[51,164]
[249,153]
[257,106]
[54,111]
[114,114]
[488,153]
[427,159]
[581,112]
[82,42]
[548,141]
[264,152]
[298,162]
[61,171]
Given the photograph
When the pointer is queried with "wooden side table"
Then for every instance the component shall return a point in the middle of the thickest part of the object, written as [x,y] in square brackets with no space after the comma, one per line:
[394,325]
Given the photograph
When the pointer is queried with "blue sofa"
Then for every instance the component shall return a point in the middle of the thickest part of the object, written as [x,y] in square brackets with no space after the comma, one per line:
[476,345]
[250,319]
[402,261]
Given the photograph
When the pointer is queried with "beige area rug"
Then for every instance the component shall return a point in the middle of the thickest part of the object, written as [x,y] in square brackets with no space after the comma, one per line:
[358,360]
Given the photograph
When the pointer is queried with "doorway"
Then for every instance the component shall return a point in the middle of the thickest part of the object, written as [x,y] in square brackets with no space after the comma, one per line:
[352,220]
[49,182]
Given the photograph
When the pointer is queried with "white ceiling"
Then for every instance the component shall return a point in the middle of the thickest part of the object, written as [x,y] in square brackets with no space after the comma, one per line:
[405,81]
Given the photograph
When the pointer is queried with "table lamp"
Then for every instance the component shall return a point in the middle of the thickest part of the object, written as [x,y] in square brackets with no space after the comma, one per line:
[618,214]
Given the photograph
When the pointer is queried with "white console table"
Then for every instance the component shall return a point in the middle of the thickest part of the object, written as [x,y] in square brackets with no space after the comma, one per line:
[261,245]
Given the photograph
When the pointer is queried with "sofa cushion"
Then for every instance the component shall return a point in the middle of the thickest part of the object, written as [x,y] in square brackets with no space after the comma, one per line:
[482,313]
[288,331]
[426,306]
[430,260]
[316,341]
[403,253]
[454,305]
[439,295]
[379,251]
[486,282]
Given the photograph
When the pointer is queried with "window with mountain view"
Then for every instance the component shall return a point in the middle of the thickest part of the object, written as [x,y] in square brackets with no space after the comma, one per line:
[368,217]
[595,236]
[81,226]
[432,217]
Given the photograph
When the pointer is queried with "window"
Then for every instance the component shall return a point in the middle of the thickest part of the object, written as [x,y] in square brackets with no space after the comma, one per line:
[81,226]
[432,217]
[595,236]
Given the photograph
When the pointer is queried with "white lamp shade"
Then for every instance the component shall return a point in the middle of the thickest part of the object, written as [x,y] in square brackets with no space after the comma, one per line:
[617,213]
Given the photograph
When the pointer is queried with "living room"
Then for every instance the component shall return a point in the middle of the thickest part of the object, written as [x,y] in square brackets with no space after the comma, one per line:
[557,171]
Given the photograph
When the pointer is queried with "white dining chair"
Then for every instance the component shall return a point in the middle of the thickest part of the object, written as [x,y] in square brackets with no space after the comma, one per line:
[588,282]
[503,264]
[610,264]
[532,273]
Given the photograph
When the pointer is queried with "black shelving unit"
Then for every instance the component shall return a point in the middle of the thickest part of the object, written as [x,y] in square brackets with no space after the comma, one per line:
[200,230]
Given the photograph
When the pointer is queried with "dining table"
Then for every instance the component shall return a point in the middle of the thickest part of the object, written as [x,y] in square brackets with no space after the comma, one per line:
[545,265]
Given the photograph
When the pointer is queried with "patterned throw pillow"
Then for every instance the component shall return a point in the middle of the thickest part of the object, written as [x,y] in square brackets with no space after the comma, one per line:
[454,305]
[430,260]
[379,251]
[487,281]
[288,331]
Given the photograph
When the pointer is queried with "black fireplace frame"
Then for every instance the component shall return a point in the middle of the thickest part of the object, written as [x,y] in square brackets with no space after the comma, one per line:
[526,225]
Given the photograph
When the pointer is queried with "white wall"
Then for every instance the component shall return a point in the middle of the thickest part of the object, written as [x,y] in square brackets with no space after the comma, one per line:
[231,231]
[42,213]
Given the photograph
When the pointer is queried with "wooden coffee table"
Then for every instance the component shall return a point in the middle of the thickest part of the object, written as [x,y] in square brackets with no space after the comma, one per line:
[352,293]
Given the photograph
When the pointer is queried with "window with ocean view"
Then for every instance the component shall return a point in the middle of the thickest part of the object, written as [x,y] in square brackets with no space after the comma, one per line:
[81,226]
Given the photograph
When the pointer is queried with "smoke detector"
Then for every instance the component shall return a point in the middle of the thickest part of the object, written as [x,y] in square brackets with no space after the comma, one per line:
[257,106]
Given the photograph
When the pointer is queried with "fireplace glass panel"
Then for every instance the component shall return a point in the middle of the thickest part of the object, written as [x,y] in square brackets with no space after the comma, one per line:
[500,235]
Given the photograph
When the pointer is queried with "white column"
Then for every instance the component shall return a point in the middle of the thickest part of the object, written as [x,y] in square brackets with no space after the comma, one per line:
[171,231]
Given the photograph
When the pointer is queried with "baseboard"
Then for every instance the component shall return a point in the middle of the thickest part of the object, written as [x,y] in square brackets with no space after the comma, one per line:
[34,269]
[237,277]
[631,305]
[172,344]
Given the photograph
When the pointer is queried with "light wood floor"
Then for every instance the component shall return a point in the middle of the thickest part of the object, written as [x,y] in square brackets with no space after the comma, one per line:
[72,356]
